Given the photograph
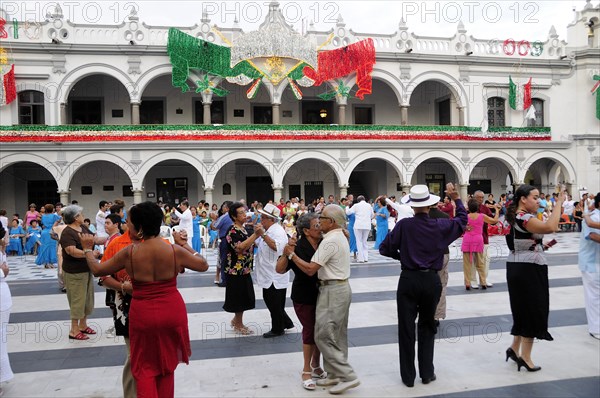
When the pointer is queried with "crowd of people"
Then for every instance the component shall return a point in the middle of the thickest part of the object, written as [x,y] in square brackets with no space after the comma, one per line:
[259,245]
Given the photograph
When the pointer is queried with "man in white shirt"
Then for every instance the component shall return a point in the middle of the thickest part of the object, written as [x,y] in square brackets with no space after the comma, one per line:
[270,246]
[185,220]
[332,263]
[101,218]
[568,207]
[362,226]
[403,210]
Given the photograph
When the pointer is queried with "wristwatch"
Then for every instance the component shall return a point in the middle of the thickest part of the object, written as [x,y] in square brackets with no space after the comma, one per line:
[291,255]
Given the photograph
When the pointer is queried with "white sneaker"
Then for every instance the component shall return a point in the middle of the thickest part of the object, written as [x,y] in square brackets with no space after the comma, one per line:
[595,335]
[489,284]
[474,286]
[346,385]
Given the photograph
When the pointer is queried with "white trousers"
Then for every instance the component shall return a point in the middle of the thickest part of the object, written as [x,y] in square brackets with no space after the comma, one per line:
[485,258]
[591,291]
[361,244]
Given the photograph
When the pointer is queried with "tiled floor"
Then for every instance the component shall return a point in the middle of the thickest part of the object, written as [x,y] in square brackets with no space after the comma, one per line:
[469,355]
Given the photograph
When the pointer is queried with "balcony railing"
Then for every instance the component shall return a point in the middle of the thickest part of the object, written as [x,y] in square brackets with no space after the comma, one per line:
[91,133]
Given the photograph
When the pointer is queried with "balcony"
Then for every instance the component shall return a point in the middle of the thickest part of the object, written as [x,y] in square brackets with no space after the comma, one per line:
[141,133]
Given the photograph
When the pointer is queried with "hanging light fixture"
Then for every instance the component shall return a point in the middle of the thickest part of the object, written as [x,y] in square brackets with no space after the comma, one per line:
[323,113]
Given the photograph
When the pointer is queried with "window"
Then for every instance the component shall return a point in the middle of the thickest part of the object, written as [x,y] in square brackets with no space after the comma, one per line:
[262,115]
[363,115]
[496,112]
[538,105]
[31,107]
[317,112]
[217,112]
[152,111]
[226,189]
[86,111]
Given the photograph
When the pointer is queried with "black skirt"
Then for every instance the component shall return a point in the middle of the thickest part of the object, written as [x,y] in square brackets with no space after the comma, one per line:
[239,293]
[529,299]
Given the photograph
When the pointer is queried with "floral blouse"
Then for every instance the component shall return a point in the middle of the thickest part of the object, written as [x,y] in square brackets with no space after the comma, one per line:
[238,263]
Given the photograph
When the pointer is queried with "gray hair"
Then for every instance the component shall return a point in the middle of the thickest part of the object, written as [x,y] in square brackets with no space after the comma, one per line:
[70,213]
[304,222]
[337,214]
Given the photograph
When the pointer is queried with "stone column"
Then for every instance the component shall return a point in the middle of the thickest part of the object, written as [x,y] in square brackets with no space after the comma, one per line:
[404,115]
[276,116]
[277,193]
[63,113]
[343,191]
[464,192]
[342,114]
[64,197]
[461,115]
[135,113]
[405,188]
[208,194]
[206,115]
[137,196]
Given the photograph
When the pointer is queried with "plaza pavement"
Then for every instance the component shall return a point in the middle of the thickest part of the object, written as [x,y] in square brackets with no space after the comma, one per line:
[469,356]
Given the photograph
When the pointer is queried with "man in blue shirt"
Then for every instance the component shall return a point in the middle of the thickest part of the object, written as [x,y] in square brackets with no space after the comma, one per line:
[420,243]
[223,225]
[589,260]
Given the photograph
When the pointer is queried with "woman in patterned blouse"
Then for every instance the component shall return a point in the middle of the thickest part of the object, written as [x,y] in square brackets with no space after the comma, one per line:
[239,292]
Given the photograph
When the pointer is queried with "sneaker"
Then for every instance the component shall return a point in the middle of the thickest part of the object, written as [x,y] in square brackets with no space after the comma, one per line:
[329,381]
[343,386]
[110,333]
[474,286]
[595,335]
[489,284]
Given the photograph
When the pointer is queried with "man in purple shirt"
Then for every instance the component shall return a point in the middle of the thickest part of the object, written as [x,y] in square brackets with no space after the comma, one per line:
[420,243]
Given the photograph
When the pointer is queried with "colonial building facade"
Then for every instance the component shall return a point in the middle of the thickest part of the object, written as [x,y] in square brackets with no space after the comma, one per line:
[97,115]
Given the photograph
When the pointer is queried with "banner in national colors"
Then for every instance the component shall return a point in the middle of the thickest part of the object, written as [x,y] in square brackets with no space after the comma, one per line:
[8,90]
[519,95]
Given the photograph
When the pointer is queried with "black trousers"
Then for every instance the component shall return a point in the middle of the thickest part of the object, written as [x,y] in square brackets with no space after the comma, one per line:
[223,247]
[275,301]
[418,294]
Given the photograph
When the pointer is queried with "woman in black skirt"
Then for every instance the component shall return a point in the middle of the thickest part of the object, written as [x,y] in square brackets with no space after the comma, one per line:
[527,273]
[239,293]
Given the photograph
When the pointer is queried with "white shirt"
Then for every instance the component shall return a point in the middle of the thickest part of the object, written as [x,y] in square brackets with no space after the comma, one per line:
[186,222]
[4,221]
[5,297]
[568,207]
[265,260]
[100,218]
[404,211]
[364,214]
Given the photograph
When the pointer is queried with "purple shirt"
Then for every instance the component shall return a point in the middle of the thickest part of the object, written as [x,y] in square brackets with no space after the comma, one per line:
[420,242]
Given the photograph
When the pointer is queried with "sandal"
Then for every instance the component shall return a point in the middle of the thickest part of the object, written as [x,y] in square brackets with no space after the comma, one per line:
[244,330]
[308,384]
[80,336]
[317,375]
[88,330]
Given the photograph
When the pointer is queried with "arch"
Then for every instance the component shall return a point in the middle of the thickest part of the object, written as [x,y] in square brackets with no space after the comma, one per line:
[566,165]
[145,167]
[148,77]
[31,157]
[382,155]
[390,80]
[77,164]
[454,161]
[300,156]
[502,156]
[81,72]
[213,169]
[455,87]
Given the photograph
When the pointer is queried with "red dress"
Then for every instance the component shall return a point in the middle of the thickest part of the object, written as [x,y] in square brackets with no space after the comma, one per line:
[158,328]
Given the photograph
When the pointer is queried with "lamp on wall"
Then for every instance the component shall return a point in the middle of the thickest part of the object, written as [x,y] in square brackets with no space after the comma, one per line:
[323,113]
[469,53]
[131,43]
[409,50]
[56,41]
[562,57]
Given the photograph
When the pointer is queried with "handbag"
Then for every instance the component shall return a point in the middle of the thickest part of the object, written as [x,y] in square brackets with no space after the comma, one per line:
[109,299]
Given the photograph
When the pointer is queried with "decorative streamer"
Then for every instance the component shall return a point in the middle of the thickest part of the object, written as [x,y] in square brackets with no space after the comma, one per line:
[596,91]
[15,28]
[207,86]
[3,32]
[358,57]
[8,91]
[295,89]
[253,90]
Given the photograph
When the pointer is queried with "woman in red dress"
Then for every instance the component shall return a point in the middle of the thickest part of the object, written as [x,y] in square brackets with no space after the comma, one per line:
[158,326]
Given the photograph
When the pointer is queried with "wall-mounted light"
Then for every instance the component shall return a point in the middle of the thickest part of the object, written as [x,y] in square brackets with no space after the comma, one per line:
[409,50]
[323,113]
[590,26]
[469,53]
[563,57]
[56,41]
[131,43]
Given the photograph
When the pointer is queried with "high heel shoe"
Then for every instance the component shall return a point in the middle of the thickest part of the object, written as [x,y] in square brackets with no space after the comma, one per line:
[510,353]
[521,362]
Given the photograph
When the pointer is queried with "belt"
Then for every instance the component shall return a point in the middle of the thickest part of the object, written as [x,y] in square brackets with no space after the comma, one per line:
[332,282]
[419,270]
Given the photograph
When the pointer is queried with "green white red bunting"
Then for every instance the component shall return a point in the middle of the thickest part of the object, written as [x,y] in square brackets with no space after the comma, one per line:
[519,95]
[8,89]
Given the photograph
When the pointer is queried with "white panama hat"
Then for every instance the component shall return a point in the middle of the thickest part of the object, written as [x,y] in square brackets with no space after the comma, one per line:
[420,197]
